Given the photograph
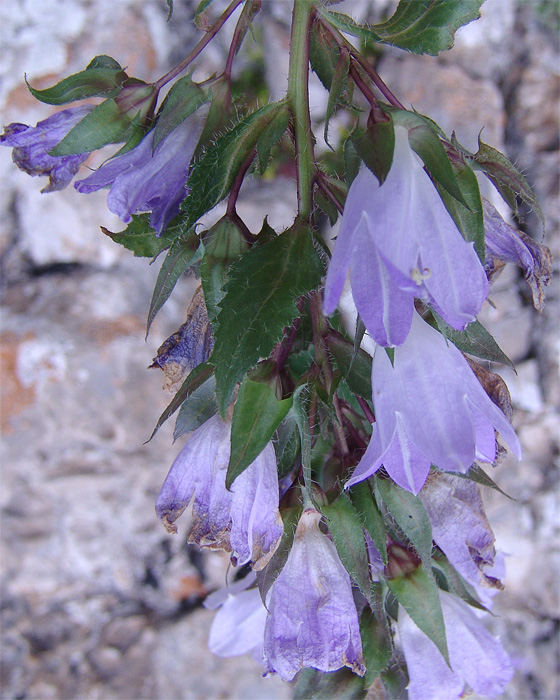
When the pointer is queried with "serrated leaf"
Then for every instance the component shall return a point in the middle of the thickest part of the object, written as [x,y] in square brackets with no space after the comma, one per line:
[410,515]
[501,170]
[196,409]
[184,98]
[475,340]
[271,135]
[223,245]
[347,533]
[260,301]
[376,145]
[349,25]
[338,83]
[213,175]
[103,76]
[376,643]
[418,593]
[184,253]
[427,26]
[199,375]
[355,368]
[267,576]
[370,517]
[310,684]
[256,415]
[469,220]
[140,237]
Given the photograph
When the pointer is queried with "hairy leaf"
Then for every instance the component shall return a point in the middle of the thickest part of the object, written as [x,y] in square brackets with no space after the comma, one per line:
[184,98]
[338,84]
[376,643]
[371,518]
[355,368]
[323,54]
[271,135]
[140,237]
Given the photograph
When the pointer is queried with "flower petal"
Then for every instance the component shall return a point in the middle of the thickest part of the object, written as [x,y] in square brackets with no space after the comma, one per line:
[238,626]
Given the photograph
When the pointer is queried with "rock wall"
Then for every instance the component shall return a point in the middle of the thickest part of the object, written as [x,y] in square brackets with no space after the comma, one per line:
[97,600]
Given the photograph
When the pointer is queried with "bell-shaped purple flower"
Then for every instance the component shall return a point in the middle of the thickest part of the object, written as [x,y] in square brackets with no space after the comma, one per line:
[244,521]
[313,620]
[144,179]
[32,145]
[400,242]
[503,242]
[477,658]
[429,409]
[460,527]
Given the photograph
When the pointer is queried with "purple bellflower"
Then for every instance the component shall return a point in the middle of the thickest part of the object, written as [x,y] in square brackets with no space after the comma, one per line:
[460,527]
[503,242]
[144,179]
[477,658]
[312,619]
[32,145]
[244,521]
[429,409]
[400,242]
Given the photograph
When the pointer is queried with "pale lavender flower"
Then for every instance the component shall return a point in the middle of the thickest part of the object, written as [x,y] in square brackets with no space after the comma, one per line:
[244,521]
[400,242]
[429,409]
[460,527]
[477,658]
[144,179]
[313,620]
[32,145]
[506,243]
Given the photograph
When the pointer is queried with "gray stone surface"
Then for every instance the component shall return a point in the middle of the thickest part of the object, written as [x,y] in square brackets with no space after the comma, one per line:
[97,600]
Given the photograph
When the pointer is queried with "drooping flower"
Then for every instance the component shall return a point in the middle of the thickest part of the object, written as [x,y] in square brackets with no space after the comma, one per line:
[477,658]
[32,145]
[244,521]
[503,242]
[144,179]
[312,619]
[400,242]
[429,409]
[460,527]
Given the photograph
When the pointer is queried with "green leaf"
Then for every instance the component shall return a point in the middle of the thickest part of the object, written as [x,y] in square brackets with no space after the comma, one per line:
[271,135]
[338,83]
[418,593]
[310,684]
[323,54]
[213,175]
[140,237]
[256,415]
[260,301]
[355,368]
[349,25]
[352,160]
[103,76]
[410,515]
[267,576]
[199,375]
[223,245]
[454,582]
[196,409]
[376,643]
[470,219]
[376,145]
[287,444]
[427,26]
[370,517]
[475,340]
[478,475]
[347,532]
[302,422]
[183,253]
[184,98]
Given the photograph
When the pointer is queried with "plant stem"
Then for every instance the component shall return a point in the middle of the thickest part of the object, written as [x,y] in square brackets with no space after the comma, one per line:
[206,39]
[298,96]
[366,409]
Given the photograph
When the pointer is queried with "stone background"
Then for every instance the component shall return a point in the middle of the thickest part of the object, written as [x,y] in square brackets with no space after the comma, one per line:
[97,600]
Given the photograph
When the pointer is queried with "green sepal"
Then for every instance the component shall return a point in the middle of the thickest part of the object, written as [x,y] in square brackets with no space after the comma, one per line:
[300,415]
[376,643]
[355,367]
[103,77]
[223,245]
[418,593]
[370,517]
[475,340]
[196,408]
[479,476]
[213,175]
[454,582]
[410,515]
[183,253]
[197,377]
[259,302]
[345,526]
[324,54]
[182,100]
[376,145]
[267,576]
[256,415]
[338,84]
[352,160]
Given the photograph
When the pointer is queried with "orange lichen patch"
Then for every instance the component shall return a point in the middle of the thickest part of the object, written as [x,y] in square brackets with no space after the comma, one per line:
[190,587]
[103,331]
[14,396]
